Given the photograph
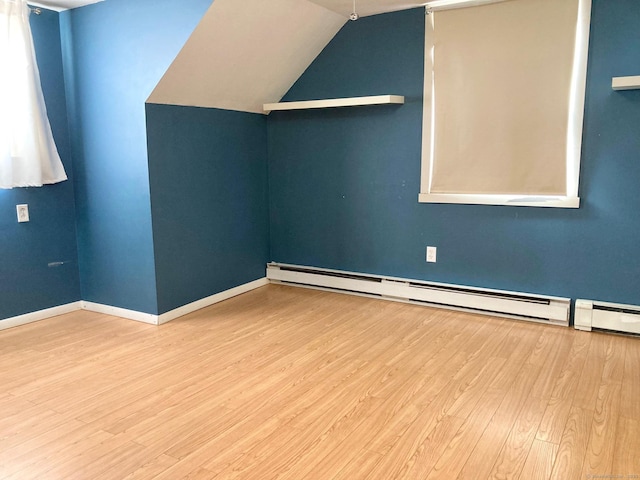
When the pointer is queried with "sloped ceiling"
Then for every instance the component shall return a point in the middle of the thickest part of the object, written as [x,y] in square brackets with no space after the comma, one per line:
[247,53]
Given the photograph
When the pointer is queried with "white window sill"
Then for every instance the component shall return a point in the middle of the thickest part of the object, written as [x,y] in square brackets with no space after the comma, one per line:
[505,200]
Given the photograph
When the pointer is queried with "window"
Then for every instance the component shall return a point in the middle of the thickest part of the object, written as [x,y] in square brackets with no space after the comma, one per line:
[504,101]
[28,155]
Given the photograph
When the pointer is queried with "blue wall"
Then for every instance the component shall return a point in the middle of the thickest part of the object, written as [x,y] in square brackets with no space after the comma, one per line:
[115,54]
[344,182]
[209,200]
[27,282]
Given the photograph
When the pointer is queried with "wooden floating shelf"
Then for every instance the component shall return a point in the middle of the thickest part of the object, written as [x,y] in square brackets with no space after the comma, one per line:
[335,102]
[625,83]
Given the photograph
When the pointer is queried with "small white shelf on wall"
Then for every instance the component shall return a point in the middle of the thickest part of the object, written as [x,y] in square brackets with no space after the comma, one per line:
[625,83]
[335,102]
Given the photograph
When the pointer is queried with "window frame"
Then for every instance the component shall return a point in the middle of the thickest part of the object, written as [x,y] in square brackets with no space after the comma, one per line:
[575,127]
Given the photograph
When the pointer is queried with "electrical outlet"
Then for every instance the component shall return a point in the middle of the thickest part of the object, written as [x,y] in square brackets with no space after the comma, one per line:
[431,254]
[23,213]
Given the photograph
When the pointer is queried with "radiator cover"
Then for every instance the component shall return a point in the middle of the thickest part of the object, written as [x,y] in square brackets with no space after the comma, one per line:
[521,306]
[607,316]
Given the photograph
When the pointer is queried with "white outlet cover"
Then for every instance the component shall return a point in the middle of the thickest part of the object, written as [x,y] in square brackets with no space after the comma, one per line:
[23,213]
[431,254]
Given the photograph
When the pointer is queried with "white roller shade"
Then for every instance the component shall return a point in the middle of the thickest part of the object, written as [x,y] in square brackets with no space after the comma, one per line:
[502,95]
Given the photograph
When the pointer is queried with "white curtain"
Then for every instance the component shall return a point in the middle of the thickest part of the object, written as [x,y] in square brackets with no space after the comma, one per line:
[28,154]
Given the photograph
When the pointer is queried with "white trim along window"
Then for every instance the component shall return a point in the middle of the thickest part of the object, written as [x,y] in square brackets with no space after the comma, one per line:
[504,97]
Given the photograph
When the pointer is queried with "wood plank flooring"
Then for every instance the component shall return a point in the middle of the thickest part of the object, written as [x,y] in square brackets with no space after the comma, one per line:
[286,383]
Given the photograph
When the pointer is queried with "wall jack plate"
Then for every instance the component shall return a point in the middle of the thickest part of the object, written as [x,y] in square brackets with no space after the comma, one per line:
[23,213]
[431,254]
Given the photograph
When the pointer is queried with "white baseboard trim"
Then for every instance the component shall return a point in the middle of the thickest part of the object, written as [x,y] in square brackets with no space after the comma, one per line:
[120,312]
[213,299]
[178,312]
[39,315]
[131,314]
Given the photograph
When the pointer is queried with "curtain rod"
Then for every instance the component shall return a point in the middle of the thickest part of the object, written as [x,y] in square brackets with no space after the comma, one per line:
[36,10]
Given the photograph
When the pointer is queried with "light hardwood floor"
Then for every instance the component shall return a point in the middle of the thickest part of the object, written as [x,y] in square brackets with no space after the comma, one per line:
[300,384]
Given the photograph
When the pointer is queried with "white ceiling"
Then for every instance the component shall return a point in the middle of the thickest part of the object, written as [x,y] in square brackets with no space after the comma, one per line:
[368,7]
[60,5]
[343,7]
[245,53]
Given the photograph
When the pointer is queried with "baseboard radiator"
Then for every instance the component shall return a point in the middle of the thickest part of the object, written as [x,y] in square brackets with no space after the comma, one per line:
[615,317]
[537,308]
